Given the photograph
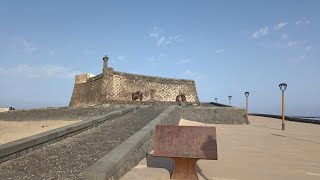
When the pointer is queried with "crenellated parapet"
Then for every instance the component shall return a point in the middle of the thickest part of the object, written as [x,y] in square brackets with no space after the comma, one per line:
[83,78]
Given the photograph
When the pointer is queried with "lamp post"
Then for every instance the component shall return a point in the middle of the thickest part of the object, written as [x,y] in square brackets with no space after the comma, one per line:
[283,87]
[229,100]
[247,95]
[216,99]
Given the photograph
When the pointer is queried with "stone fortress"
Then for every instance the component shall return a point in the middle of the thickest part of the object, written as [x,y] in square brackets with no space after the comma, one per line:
[113,86]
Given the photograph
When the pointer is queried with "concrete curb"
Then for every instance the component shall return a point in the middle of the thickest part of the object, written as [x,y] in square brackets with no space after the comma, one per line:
[20,147]
[125,156]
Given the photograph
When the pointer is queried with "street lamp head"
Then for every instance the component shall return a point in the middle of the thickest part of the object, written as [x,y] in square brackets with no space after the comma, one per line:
[283,86]
[229,97]
[246,94]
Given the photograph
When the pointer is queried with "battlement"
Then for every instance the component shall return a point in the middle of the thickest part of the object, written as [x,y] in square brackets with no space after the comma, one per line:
[83,78]
[153,78]
[110,86]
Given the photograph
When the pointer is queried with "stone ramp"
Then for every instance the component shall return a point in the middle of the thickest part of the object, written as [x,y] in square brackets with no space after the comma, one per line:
[68,158]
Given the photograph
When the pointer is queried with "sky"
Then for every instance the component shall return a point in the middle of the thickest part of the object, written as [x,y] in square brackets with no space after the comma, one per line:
[227,47]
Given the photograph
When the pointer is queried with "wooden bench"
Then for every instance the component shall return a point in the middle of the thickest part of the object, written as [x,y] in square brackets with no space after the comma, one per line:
[185,145]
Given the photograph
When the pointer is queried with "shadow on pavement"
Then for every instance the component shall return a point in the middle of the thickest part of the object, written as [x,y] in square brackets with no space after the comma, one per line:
[160,162]
[199,171]
[295,138]
[264,126]
[167,163]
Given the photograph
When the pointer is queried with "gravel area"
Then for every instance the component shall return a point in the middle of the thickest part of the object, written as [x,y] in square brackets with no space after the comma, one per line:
[68,158]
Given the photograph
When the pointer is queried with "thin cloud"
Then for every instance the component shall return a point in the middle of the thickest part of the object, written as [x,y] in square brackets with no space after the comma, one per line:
[292,43]
[308,48]
[154,34]
[260,32]
[155,59]
[52,53]
[303,22]
[28,71]
[121,58]
[161,39]
[280,26]
[284,36]
[219,51]
[299,59]
[189,74]
[23,46]
[88,52]
[183,61]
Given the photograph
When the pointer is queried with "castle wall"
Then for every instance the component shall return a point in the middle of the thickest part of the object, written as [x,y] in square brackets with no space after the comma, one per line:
[119,86]
[88,93]
[152,88]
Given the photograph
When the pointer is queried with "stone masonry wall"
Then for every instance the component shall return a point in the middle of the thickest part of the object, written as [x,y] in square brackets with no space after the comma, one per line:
[152,88]
[86,94]
[119,86]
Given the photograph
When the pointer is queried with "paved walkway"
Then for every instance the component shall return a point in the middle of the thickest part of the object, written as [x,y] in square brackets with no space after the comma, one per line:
[259,151]
[68,158]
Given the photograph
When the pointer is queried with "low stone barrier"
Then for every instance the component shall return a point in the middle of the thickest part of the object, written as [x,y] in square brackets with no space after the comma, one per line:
[215,115]
[128,154]
[61,113]
[20,147]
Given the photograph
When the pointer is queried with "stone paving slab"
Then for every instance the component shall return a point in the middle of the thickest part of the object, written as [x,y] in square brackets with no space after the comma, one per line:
[68,158]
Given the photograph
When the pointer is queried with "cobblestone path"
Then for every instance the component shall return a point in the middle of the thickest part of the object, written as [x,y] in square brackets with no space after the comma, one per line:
[68,158]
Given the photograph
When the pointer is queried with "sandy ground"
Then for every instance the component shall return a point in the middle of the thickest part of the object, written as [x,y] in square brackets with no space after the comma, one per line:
[14,130]
[260,150]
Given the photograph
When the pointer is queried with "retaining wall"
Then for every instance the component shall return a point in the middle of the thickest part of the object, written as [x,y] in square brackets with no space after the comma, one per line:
[214,115]
[55,113]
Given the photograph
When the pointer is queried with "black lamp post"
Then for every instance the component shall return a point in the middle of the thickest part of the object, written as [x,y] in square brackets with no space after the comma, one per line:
[229,100]
[283,87]
[247,95]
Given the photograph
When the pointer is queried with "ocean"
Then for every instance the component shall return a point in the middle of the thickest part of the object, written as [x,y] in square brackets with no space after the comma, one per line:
[304,117]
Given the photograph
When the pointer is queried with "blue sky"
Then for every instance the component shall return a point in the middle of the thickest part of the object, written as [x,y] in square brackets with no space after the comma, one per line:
[227,47]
